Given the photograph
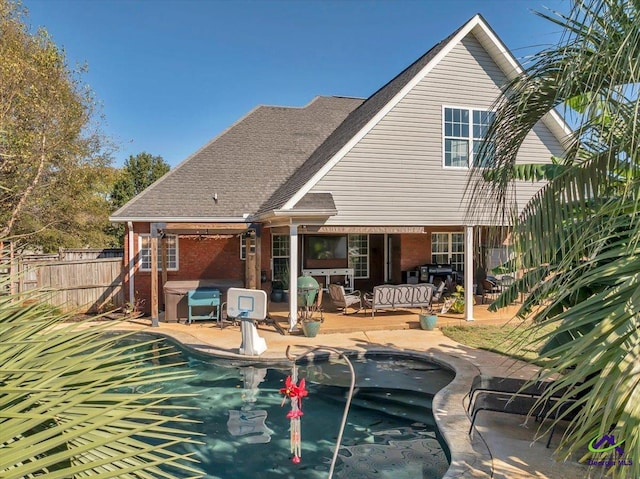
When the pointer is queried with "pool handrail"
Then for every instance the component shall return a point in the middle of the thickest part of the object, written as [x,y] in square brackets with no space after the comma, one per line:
[349,395]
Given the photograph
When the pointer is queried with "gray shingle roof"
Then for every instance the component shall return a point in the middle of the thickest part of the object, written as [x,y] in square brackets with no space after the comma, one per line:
[260,162]
[316,201]
[243,165]
[350,127]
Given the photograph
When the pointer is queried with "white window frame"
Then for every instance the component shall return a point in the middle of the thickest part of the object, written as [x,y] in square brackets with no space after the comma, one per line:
[471,139]
[142,254]
[243,247]
[359,255]
[449,251]
[274,256]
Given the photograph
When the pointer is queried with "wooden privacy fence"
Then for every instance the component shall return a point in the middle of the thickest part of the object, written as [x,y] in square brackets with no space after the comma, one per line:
[89,285]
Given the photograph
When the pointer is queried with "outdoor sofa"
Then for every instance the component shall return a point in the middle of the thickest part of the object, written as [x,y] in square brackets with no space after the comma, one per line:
[399,296]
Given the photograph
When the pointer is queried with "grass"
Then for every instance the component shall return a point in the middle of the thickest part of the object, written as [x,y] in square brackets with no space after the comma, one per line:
[519,341]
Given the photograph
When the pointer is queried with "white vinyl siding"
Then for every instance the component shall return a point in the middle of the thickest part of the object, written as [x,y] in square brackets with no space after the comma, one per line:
[395,174]
[144,243]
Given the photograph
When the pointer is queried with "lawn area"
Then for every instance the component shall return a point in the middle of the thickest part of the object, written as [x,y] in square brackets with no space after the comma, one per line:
[518,341]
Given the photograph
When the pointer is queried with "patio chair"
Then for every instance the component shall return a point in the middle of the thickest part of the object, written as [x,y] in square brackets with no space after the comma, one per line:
[523,406]
[437,294]
[316,308]
[490,290]
[498,385]
[516,396]
[341,300]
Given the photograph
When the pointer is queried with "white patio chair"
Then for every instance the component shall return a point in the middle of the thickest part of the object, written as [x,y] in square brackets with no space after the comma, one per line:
[342,300]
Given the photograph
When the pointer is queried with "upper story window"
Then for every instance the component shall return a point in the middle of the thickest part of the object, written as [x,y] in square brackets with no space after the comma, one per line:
[464,130]
[145,253]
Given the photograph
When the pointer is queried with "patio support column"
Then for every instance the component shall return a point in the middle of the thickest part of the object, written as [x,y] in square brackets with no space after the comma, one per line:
[164,261]
[468,273]
[293,277]
[154,277]
[385,246]
[132,263]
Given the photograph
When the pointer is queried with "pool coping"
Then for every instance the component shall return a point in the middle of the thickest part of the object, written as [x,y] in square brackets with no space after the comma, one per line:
[470,455]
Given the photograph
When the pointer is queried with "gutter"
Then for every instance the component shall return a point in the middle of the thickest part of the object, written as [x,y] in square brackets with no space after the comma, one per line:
[294,214]
[172,219]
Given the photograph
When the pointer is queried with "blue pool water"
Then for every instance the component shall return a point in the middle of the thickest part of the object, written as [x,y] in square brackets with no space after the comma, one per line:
[390,430]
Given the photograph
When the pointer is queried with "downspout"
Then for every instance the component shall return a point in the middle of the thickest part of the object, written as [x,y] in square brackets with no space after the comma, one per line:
[132,299]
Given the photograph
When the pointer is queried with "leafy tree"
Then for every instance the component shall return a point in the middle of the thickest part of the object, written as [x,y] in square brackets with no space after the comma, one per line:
[47,150]
[74,402]
[577,240]
[138,173]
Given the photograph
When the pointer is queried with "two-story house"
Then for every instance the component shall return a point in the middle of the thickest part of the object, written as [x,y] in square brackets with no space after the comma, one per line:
[361,191]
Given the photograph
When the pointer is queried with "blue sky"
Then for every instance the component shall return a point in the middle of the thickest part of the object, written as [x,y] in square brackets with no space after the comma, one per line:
[172,74]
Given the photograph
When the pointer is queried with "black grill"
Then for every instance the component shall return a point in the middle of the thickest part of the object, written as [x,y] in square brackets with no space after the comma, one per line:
[428,272]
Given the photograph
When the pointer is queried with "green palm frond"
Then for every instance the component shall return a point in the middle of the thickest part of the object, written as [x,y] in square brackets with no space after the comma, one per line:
[75,401]
[577,241]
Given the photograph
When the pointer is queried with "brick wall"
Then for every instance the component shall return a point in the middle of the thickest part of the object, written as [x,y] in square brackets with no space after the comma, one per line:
[415,250]
[206,257]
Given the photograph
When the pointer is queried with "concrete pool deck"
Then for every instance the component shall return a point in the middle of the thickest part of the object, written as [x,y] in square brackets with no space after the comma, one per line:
[500,447]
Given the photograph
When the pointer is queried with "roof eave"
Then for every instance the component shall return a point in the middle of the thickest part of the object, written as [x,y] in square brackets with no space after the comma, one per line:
[298,214]
[169,219]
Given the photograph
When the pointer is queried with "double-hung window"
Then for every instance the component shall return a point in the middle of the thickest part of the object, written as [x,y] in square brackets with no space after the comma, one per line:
[464,130]
[145,252]
[243,247]
[448,248]
[280,248]
[359,255]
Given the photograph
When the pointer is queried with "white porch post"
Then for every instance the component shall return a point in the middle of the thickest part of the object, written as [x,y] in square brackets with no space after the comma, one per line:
[293,277]
[385,246]
[468,273]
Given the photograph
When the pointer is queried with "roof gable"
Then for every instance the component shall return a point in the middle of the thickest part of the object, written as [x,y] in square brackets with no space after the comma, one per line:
[365,117]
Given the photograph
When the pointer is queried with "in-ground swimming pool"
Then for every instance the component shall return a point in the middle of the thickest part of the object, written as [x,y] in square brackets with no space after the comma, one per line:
[390,431]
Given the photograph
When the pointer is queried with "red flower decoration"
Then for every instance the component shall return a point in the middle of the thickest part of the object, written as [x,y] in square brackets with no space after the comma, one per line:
[294,414]
[292,390]
[302,390]
[295,392]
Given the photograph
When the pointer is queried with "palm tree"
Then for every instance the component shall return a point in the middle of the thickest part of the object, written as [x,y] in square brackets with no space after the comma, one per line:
[578,239]
[76,402]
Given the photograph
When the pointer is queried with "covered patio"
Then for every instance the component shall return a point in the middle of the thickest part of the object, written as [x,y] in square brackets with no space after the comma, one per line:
[392,320]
